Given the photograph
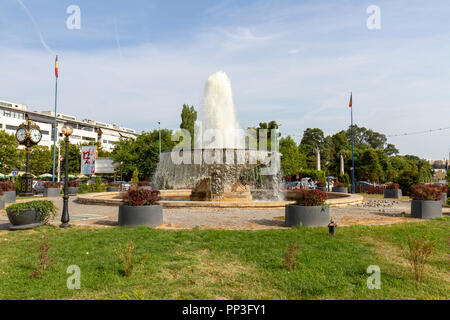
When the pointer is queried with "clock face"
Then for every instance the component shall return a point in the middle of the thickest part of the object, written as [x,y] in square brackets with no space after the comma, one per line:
[21,135]
[35,135]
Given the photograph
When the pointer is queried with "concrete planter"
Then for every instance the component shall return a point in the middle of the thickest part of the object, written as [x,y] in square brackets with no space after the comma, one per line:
[444,198]
[150,216]
[308,216]
[52,192]
[10,196]
[340,189]
[112,189]
[26,217]
[323,189]
[72,191]
[393,193]
[426,209]
[2,203]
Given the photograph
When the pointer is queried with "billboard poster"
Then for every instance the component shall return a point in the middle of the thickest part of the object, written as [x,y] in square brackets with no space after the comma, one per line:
[88,155]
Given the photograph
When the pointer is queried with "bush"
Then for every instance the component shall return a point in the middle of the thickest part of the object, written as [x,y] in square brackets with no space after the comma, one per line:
[418,251]
[321,184]
[112,184]
[340,185]
[45,208]
[375,190]
[407,179]
[143,183]
[135,177]
[52,184]
[392,186]
[74,183]
[444,188]
[7,186]
[315,175]
[429,192]
[98,186]
[309,198]
[344,178]
[141,197]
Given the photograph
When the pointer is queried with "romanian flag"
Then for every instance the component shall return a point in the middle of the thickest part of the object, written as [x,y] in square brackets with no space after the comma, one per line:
[56,67]
[350,104]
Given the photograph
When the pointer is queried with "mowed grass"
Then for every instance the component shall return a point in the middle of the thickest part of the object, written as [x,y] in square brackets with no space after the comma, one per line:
[221,264]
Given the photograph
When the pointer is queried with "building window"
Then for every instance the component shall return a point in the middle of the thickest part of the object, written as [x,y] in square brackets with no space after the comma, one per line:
[8,127]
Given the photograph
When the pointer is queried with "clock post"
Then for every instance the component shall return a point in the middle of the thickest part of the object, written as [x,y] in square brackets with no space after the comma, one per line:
[28,134]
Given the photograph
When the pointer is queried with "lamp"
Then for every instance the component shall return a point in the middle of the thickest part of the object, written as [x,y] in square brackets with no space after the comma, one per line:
[67,130]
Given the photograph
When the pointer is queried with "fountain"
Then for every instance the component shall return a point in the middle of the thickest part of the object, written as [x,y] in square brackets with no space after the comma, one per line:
[213,168]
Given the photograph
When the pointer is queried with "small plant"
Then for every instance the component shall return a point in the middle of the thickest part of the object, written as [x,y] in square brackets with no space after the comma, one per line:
[429,192]
[418,251]
[7,186]
[140,197]
[45,208]
[444,188]
[98,186]
[340,185]
[309,198]
[135,177]
[52,184]
[392,186]
[289,259]
[143,183]
[127,259]
[45,261]
[138,295]
[74,183]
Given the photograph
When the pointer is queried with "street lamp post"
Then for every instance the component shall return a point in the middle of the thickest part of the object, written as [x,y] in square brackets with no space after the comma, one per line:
[67,131]
[326,178]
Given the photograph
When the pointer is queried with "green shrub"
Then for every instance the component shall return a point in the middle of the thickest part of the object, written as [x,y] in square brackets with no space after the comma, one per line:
[406,179]
[344,178]
[315,175]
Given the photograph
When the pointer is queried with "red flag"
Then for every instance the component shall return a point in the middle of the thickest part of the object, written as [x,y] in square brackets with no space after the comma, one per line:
[350,104]
[56,67]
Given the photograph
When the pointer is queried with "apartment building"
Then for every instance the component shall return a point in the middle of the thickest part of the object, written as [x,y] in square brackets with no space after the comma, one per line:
[13,114]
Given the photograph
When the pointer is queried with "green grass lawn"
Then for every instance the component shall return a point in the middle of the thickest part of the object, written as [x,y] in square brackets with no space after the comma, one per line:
[221,264]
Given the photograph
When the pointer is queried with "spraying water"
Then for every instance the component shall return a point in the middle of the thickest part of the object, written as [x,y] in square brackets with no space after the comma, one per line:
[218,115]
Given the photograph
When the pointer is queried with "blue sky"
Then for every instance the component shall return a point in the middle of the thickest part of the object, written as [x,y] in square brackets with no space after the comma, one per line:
[135,63]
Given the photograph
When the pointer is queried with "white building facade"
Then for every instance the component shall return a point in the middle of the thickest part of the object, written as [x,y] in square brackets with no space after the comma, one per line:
[85,131]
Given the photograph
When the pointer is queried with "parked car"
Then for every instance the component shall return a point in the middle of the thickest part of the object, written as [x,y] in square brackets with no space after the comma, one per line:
[363,183]
[125,186]
[39,187]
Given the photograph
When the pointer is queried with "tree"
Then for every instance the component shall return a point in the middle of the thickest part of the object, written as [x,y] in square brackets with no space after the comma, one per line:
[291,157]
[366,138]
[369,168]
[41,160]
[11,158]
[188,118]
[74,157]
[312,139]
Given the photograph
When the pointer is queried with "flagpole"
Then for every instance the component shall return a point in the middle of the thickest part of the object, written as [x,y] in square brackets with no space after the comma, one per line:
[353,154]
[55,137]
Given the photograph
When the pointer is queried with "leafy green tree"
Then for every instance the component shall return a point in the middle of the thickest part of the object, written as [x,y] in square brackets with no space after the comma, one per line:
[135,177]
[41,160]
[74,158]
[406,179]
[291,157]
[369,166]
[312,139]
[11,158]
[366,138]
[188,118]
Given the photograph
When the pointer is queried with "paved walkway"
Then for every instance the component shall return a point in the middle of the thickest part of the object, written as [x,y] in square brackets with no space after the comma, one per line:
[370,213]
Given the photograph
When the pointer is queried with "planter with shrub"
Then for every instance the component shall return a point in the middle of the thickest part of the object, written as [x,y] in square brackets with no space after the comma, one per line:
[9,191]
[310,209]
[52,189]
[112,187]
[340,187]
[322,185]
[393,191]
[145,185]
[73,187]
[27,215]
[426,202]
[141,208]
[444,189]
